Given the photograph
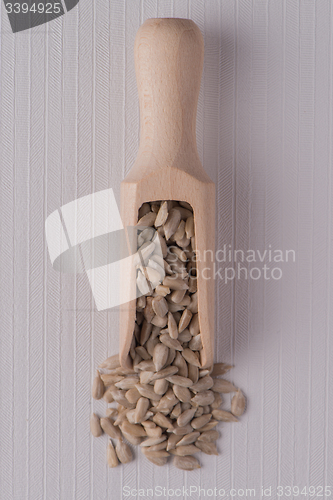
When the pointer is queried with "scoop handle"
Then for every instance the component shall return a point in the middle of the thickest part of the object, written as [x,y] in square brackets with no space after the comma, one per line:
[168,62]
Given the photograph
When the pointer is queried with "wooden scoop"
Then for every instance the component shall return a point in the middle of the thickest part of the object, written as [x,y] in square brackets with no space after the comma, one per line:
[168,62]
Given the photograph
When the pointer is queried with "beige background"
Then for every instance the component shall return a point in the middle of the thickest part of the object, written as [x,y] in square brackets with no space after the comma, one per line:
[69,127]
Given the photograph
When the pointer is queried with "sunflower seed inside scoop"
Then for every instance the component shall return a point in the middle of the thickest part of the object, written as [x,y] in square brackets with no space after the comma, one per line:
[176,411]
[185,336]
[193,373]
[175,283]
[111,362]
[155,453]
[133,429]
[182,431]
[172,441]
[147,391]
[184,320]
[163,421]
[185,450]
[224,416]
[160,461]
[178,380]
[110,429]
[209,436]
[166,372]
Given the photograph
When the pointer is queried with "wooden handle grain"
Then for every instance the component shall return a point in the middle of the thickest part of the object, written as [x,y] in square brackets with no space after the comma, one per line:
[168,61]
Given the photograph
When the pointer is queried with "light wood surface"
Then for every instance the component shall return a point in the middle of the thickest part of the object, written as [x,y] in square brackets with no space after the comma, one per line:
[168,61]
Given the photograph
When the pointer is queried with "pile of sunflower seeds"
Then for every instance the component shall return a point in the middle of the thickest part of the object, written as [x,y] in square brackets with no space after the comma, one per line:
[166,403]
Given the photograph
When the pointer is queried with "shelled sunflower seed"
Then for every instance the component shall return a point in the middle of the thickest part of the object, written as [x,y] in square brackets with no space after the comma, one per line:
[167,403]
